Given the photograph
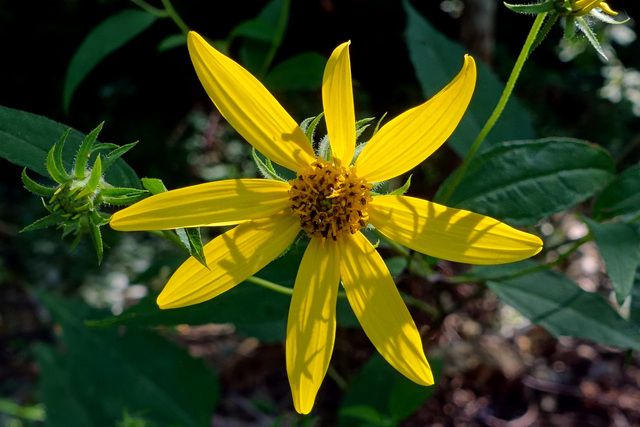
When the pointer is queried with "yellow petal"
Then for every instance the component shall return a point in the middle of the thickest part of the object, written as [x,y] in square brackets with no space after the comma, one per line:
[337,99]
[231,257]
[411,137]
[380,310]
[249,107]
[213,203]
[311,327]
[448,233]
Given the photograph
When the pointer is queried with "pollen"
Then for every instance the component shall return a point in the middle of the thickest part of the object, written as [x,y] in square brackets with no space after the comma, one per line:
[330,201]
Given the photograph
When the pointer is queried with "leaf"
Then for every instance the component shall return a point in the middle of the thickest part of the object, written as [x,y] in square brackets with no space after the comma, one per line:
[521,182]
[619,247]
[621,197]
[381,395]
[634,309]
[302,72]
[263,36]
[437,60]
[153,185]
[555,302]
[103,372]
[172,41]
[108,36]
[27,138]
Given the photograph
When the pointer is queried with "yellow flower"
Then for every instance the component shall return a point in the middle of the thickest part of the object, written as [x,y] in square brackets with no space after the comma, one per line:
[331,202]
[583,7]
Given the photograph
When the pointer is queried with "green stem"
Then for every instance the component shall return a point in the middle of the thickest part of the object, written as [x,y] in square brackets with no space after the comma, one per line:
[526,271]
[160,13]
[506,94]
[168,7]
[335,376]
[270,285]
[421,305]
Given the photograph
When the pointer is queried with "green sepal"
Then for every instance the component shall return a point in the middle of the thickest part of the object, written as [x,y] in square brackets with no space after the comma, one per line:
[535,9]
[570,27]
[362,125]
[192,243]
[606,18]
[375,130]
[116,154]
[93,181]
[122,196]
[400,191]
[96,235]
[36,188]
[324,149]
[85,151]
[266,169]
[54,219]
[99,146]
[582,24]
[195,245]
[309,126]
[154,185]
[54,161]
[544,31]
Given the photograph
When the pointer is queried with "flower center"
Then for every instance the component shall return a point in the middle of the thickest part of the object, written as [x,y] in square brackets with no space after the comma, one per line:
[330,201]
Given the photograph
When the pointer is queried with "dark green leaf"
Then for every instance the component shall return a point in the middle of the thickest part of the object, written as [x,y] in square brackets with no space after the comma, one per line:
[522,182]
[555,302]
[107,37]
[195,245]
[302,72]
[122,196]
[96,238]
[634,309]
[619,247]
[103,372]
[389,393]
[172,41]
[27,138]
[437,60]
[621,197]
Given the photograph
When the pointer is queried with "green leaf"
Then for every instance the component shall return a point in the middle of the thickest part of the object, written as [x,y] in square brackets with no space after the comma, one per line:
[108,36]
[621,197]
[263,36]
[302,72]
[27,138]
[593,39]
[265,169]
[555,302]
[154,185]
[521,182]
[390,396]
[400,191]
[84,152]
[437,60]
[116,154]
[54,170]
[96,238]
[172,41]
[634,309]
[102,372]
[619,247]
[192,240]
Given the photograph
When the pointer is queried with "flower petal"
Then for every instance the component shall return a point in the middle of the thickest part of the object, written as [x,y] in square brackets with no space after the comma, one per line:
[448,233]
[337,99]
[311,327]
[380,310]
[213,203]
[231,257]
[411,137]
[249,107]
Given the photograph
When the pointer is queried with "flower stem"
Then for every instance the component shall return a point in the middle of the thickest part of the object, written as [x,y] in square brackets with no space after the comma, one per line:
[270,285]
[168,7]
[160,13]
[506,94]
